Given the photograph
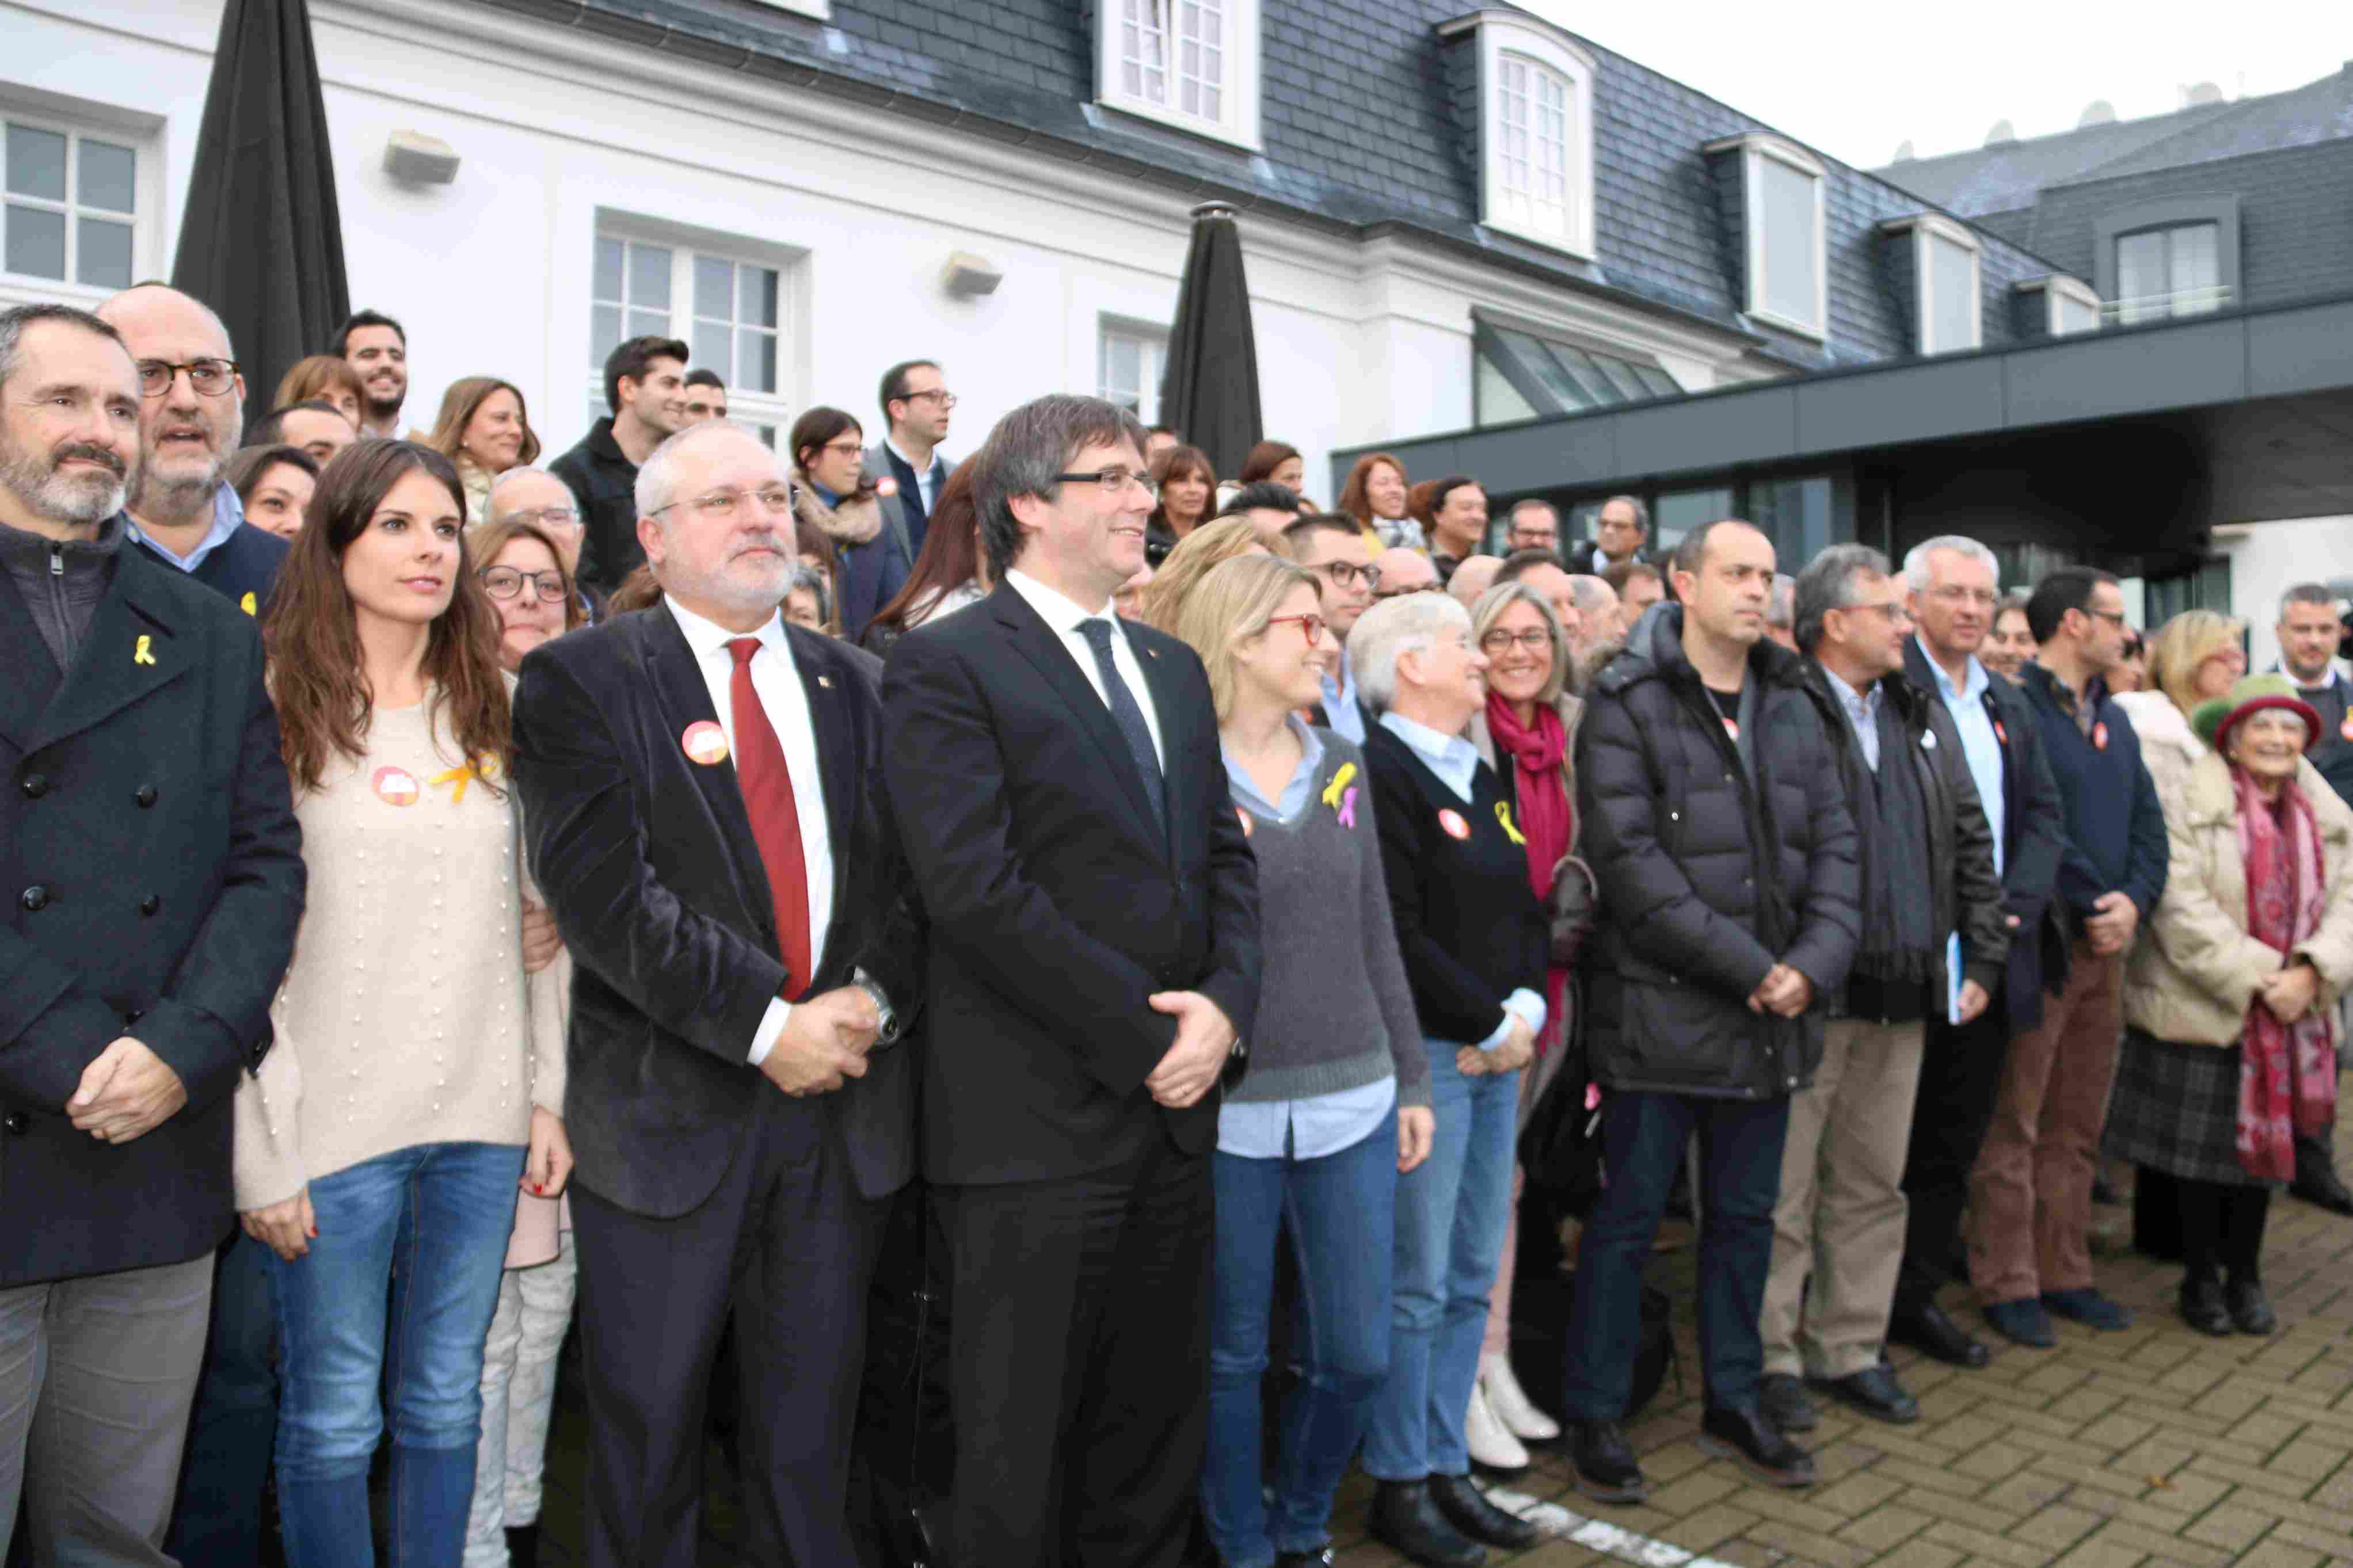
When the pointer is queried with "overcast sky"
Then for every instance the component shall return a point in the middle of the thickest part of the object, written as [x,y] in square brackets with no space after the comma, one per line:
[1855,79]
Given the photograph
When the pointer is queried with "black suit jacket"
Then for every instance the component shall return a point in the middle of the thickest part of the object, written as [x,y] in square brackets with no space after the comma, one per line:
[153,882]
[1056,906]
[647,860]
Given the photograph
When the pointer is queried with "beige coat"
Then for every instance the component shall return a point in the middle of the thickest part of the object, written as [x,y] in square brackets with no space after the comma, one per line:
[2168,747]
[2195,971]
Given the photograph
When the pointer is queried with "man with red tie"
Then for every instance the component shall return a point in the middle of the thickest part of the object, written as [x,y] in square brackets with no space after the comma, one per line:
[702,785]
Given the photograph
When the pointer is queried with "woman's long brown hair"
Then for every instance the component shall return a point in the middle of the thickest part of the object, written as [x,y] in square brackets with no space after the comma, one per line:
[463,401]
[951,553]
[1356,496]
[315,673]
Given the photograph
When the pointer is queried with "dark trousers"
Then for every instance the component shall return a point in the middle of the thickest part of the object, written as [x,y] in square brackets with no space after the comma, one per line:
[1081,1349]
[1642,1141]
[2222,1228]
[788,1241]
[234,1428]
[1960,1075]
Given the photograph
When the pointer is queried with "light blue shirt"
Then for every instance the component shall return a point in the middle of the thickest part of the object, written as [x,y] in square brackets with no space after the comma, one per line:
[228,516]
[1980,747]
[1862,714]
[1341,714]
[1455,761]
[1324,1123]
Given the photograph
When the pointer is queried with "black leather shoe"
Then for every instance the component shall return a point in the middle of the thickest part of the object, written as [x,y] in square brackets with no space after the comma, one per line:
[1406,1517]
[1783,1400]
[2319,1187]
[1466,1507]
[522,1546]
[2023,1322]
[1927,1330]
[2249,1311]
[2201,1306]
[1603,1463]
[1319,1558]
[1744,1436]
[1876,1392]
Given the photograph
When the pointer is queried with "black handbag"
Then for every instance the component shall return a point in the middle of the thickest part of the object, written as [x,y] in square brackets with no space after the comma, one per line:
[1561,1146]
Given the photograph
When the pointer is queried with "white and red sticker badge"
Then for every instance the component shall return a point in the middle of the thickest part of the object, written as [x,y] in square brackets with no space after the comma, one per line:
[397,786]
[1452,822]
[705,742]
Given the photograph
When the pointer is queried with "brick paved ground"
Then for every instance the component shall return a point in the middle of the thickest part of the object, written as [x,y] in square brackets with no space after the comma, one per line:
[2157,1446]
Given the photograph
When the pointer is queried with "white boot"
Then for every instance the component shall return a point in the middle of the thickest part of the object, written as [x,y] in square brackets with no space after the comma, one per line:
[1510,1402]
[1490,1441]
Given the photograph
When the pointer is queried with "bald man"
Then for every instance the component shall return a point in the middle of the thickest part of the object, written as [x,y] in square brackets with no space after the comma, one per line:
[191,418]
[1473,577]
[1404,571]
[536,497]
[1597,602]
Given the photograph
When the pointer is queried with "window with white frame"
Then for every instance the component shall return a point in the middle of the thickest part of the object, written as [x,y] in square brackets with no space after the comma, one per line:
[1787,264]
[730,312]
[1133,360]
[1950,312]
[73,200]
[1189,63]
[2174,271]
[1536,110]
[1520,374]
[2067,304]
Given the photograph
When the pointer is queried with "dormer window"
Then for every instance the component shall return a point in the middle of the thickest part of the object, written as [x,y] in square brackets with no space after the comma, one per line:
[1193,64]
[1947,304]
[1534,87]
[2058,305]
[1781,214]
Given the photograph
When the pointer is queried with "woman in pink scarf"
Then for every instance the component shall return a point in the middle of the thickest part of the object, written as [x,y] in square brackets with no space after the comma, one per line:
[1524,735]
[2229,997]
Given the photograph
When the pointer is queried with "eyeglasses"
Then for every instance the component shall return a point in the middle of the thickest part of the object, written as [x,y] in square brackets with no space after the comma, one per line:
[1113,480]
[505,582]
[938,395]
[544,516]
[1402,592]
[211,377]
[1534,641]
[1347,575]
[776,501]
[1893,613]
[1954,594]
[849,448]
[1310,625]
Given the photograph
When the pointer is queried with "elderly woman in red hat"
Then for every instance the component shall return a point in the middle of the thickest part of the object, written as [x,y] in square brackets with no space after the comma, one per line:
[2230,1046]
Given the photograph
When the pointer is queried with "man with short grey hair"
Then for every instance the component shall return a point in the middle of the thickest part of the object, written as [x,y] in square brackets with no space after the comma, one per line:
[536,497]
[1932,945]
[1056,773]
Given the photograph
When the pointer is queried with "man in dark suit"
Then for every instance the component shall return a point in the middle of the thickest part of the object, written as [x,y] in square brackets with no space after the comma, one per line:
[147,812]
[916,408]
[1093,906]
[703,786]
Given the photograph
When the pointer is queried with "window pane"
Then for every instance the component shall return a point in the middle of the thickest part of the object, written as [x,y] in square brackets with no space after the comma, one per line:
[608,285]
[2075,316]
[1658,382]
[105,176]
[2140,275]
[1499,401]
[650,276]
[1124,365]
[1787,196]
[2197,268]
[757,362]
[1953,283]
[714,288]
[711,349]
[758,308]
[36,242]
[604,333]
[1680,511]
[1627,386]
[767,433]
[103,256]
[37,164]
[649,324]
[1595,389]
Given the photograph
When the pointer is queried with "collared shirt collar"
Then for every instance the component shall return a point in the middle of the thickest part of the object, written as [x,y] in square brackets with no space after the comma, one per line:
[228,516]
[1058,609]
[1977,685]
[1454,760]
[1861,711]
[707,637]
[923,472]
[1340,701]
[1295,789]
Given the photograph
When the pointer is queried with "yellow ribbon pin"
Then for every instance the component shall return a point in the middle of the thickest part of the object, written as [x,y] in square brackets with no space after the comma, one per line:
[1503,815]
[1339,784]
[144,653]
[246,604]
[458,779]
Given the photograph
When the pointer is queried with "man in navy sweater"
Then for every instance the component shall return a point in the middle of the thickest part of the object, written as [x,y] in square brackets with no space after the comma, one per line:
[2030,1196]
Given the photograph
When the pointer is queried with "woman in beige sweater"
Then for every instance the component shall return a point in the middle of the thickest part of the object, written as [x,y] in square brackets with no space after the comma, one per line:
[417,1076]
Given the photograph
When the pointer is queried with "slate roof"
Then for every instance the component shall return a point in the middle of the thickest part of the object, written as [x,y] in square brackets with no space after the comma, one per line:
[2008,176]
[1359,133]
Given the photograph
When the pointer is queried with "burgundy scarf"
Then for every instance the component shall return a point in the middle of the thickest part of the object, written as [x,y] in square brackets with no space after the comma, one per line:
[2287,1072]
[1547,819]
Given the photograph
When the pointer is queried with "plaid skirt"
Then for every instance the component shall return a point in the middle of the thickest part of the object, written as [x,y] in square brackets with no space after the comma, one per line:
[2176,1108]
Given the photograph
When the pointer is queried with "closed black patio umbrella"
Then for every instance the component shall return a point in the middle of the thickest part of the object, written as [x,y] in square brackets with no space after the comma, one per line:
[1211,391]
[262,240]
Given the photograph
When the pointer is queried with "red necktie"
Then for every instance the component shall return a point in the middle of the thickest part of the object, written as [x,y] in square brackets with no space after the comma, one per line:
[768,785]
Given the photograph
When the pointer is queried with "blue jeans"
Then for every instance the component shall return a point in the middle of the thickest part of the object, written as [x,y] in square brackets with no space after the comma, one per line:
[218,1524]
[1450,1214]
[424,1230]
[1339,1212]
[1642,1141]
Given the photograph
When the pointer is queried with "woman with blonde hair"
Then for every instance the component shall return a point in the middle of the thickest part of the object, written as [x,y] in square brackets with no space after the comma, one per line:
[485,430]
[2192,659]
[1211,544]
[325,378]
[1337,1103]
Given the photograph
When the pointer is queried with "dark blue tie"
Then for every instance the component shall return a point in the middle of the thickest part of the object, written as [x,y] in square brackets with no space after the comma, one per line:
[1127,716]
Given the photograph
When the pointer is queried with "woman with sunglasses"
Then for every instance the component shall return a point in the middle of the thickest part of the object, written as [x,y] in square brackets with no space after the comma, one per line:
[1336,1101]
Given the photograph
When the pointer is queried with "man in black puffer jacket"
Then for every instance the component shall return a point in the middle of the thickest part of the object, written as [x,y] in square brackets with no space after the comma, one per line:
[1715,823]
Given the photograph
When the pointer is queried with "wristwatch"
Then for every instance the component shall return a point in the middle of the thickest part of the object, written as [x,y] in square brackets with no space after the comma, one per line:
[888,1032]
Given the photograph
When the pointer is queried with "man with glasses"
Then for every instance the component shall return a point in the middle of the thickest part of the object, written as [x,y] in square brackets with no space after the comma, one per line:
[702,784]
[1533,524]
[1334,548]
[1620,534]
[916,403]
[537,497]
[1928,877]
[191,418]
[1056,776]
[2030,1196]
[1540,569]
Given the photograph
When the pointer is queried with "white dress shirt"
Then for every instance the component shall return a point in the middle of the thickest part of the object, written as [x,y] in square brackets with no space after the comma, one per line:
[1063,616]
[777,684]
[932,476]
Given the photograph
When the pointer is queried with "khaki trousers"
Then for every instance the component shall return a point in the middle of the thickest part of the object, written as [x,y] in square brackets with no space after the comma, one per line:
[1837,1227]
[2030,1195]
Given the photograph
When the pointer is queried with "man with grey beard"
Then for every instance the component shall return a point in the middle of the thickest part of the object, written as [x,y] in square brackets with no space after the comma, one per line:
[191,418]
[147,812]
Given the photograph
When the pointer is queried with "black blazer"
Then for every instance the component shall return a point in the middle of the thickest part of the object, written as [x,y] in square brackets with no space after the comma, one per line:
[1056,907]
[647,860]
[153,878]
